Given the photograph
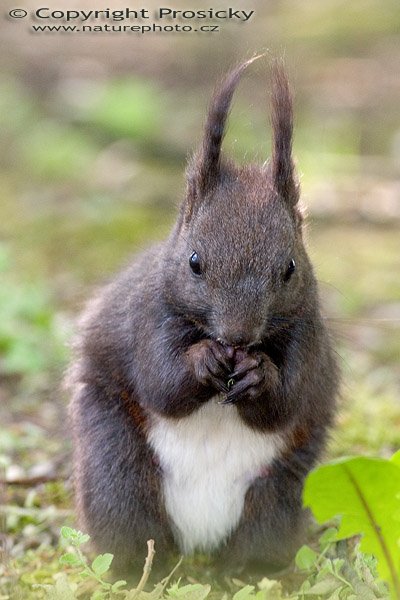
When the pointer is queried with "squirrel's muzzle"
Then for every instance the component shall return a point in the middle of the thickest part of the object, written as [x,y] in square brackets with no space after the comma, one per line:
[237,340]
[240,337]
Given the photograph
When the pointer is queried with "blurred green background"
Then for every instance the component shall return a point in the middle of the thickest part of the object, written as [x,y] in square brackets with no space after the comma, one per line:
[96,131]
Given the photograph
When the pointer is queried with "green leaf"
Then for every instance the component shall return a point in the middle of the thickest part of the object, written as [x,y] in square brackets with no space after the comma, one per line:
[305,558]
[67,532]
[62,590]
[270,589]
[102,563]
[396,458]
[75,537]
[70,559]
[326,568]
[189,592]
[337,565]
[365,493]
[244,593]
[328,537]
[99,595]
[117,585]
[337,594]
[327,586]
[82,538]
[305,586]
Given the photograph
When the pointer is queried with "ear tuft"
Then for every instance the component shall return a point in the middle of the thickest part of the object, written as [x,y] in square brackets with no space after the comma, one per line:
[283,173]
[205,168]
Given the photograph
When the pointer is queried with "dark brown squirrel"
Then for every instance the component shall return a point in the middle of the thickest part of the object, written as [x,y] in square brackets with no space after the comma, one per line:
[204,380]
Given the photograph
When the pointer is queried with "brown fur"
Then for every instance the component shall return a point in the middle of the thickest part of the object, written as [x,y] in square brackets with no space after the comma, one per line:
[139,417]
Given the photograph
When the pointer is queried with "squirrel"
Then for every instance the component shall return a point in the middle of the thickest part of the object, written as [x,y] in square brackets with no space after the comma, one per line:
[204,381]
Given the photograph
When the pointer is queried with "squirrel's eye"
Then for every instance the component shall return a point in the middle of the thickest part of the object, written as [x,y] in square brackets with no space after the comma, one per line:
[290,270]
[194,262]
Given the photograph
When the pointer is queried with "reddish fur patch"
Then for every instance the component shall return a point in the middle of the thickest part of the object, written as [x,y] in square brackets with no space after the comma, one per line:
[296,439]
[140,419]
[300,436]
[136,412]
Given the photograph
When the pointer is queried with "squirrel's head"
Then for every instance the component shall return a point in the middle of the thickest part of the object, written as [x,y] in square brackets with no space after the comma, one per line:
[237,266]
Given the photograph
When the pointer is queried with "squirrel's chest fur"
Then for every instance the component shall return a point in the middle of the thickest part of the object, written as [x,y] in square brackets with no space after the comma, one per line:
[209,460]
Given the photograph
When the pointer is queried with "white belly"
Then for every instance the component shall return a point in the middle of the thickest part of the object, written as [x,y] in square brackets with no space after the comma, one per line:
[209,459]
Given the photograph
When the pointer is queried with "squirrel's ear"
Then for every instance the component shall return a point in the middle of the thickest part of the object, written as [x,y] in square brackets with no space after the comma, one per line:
[204,169]
[283,173]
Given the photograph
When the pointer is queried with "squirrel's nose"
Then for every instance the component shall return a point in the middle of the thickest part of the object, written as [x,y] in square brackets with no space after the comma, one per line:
[240,334]
[237,340]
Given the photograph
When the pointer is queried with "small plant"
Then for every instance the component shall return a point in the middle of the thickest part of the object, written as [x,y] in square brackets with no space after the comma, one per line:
[365,493]
[64,589]
[331,575]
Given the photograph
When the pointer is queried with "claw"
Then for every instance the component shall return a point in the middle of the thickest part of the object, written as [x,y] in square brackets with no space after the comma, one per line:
[228,400]
[221,387]
[248,364]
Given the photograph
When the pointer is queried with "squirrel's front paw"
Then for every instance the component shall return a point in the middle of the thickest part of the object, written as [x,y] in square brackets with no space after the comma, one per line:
[211,363]
[254,373]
